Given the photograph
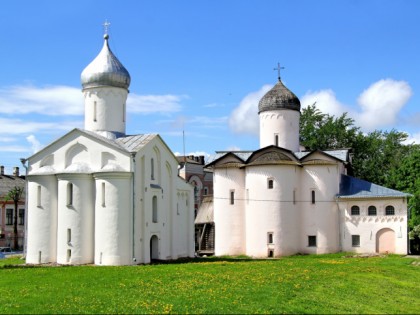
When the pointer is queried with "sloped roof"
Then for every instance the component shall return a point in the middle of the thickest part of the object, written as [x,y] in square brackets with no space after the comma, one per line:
[205,212]
[351,187]
[8,182]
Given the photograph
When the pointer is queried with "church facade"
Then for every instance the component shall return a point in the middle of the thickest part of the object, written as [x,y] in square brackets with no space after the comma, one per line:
[97,195]
[280,200]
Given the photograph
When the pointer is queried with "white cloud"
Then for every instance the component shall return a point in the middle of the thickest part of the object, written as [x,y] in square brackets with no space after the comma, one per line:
[244,118]
[19,126]
[36,145]
[148,104]
[381,103]
[325,101]
[413,138]
[49,100]
[233,148]
[14,148]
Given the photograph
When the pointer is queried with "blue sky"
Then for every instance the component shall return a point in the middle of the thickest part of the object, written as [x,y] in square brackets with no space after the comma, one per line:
[201,66]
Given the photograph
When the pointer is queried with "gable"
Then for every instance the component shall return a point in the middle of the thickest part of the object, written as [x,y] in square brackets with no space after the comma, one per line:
[319,157]
[228,159]
[272,155]
[79,152]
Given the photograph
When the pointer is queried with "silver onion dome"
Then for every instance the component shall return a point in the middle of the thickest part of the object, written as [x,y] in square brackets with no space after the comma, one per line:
[105,70]
[279,97]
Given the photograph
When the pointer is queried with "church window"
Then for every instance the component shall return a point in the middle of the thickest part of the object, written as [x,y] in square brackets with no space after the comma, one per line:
[355,210]
[355,240]
[68,236]
[270,183]
[9,216]
[232,197]
[372,210]
[152,169]
[270,238]
[177,208]
[21,216]
[294,196]
[206,191]
[389,210]
[270,253]
[103,195]
[68,255]
[38,201]
[311,240]
[154,210]
[313,196]
[94,110]
[276,140]
[69,194]
[124,110]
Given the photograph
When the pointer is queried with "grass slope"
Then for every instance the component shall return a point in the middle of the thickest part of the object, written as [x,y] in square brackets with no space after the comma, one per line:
[298,284]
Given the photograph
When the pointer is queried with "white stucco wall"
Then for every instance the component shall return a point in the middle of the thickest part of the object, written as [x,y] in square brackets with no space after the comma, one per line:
[42,219]
[105,109]
[271,210]
[230,238]
[285,124]
[367,227]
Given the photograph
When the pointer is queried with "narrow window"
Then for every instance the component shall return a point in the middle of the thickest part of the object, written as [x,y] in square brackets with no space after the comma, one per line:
[177,208]
[355,210]
[152,169]
[69,194]
[68,255]
[94,111]
[68,236]
[389,210]
[270,253]
[355,240]
[294,196]
[206,191]
[270,239]
[313,196]
[270,184]
[372,210]
[21,216]
[38,201]
[154,210]
[276,140]
[311,240]
[232,197]
[103,194]
[9,216]
[124,110]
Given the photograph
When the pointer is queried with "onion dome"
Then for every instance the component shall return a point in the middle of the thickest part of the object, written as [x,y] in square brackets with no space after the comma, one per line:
[279,97]
[105,70]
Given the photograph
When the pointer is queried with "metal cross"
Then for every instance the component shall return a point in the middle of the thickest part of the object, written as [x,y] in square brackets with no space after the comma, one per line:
[278,70]
[106,27]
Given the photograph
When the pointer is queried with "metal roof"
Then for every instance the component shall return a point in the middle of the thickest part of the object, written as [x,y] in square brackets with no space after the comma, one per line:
[351,187]
[105,70]
[205,212]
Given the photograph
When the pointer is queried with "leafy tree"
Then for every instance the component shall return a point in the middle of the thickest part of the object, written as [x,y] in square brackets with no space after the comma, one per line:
[15,194]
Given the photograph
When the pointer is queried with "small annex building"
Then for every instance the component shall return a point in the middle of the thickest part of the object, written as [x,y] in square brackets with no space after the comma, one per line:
[279,200]
[97,195]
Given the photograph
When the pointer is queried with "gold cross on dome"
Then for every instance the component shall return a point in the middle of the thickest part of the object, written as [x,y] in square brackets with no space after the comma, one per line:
[278,70]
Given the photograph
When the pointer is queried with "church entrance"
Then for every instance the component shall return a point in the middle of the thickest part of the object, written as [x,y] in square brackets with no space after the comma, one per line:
[385,241]
[154,248]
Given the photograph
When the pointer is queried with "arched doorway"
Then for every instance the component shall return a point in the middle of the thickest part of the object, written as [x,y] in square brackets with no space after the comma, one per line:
[154,248]
[385,241]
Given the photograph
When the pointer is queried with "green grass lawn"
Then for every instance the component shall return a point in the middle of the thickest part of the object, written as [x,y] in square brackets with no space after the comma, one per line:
[298,284]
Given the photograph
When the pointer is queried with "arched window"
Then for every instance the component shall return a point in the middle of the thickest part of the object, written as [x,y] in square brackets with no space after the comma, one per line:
[154,210]
[270,183]
[372,210]
[389,210]
[313,196]
[355,210]
[152,168]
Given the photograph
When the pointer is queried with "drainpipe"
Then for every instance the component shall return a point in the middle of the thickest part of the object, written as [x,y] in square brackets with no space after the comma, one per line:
[25,223]
[133,156]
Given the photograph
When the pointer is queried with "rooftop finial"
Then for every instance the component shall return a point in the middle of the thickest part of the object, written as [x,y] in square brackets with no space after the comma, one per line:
[106,28]
[278,70]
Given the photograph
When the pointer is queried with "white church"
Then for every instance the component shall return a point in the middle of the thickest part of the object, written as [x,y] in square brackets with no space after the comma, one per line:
[99,196]
[280,200]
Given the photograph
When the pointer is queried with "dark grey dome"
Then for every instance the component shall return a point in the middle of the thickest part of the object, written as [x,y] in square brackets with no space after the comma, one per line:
[105,70]
[279,97]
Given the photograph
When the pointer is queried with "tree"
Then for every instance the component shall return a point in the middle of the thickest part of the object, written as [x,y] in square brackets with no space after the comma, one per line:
[15,194]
